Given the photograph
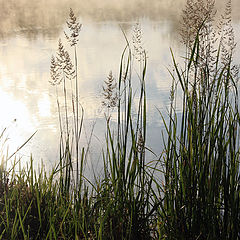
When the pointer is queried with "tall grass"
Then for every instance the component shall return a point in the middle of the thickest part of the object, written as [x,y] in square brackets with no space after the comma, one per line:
[126,186]
[201,190]
[65,73]
[199,194]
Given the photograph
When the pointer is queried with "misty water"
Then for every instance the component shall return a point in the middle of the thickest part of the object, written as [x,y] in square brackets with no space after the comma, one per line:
[29,36]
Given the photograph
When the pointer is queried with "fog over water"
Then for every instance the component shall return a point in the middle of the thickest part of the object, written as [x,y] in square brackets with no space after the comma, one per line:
[47,16]
[29,33]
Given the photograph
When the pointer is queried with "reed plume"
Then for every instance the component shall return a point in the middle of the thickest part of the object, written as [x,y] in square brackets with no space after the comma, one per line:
[64,62]
[74,29]
[110,95]
[54,72]
[138,50]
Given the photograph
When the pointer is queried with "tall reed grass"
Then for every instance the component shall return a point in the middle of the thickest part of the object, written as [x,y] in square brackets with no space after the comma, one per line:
[199,194]
[201,190]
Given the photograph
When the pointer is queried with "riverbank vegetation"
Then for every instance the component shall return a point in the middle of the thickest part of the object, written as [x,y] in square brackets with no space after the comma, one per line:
[191,191]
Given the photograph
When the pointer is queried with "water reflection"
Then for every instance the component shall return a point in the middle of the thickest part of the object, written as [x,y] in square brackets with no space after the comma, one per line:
[29,38]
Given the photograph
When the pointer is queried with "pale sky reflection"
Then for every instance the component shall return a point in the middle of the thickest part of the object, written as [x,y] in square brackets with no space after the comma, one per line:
[44,106]
[27,96]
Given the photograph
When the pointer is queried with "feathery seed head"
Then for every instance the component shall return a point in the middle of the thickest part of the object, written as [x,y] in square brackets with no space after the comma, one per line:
[74,28]
[110,92]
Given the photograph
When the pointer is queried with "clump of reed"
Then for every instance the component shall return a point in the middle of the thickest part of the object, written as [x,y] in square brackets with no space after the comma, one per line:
[201,189]
[125,194]
[64,72]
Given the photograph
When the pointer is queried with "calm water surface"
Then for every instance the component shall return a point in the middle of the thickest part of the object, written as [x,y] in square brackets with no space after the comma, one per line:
[28,101]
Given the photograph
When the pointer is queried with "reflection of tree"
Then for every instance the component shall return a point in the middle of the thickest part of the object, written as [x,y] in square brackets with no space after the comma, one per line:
[45,15]
[31,17]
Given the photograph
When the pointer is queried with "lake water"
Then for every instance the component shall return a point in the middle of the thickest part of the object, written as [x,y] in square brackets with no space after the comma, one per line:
[29,37]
